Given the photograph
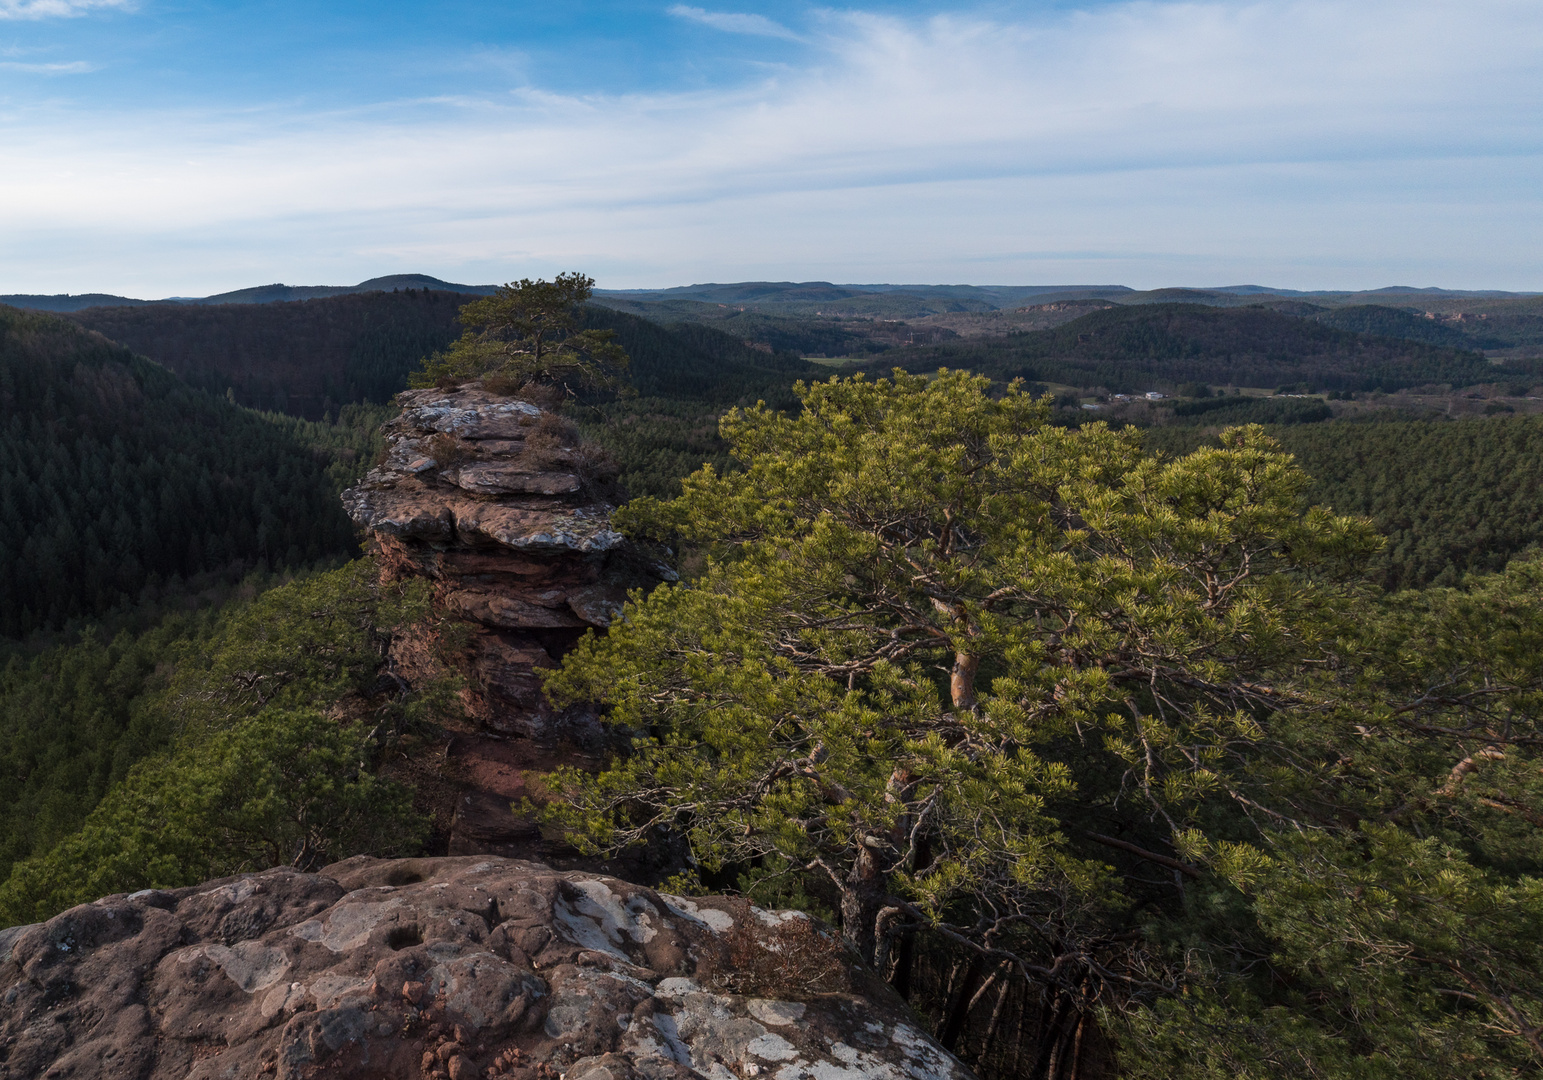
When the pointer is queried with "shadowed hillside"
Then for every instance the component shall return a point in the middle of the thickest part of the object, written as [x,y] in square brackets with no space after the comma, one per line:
[117,479]
[306,357]
[311,357]
[1410,325]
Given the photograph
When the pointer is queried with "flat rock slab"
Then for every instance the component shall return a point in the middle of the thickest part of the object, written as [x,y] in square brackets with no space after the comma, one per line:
[503,478]
[413,510]
[445,969]
[467,415]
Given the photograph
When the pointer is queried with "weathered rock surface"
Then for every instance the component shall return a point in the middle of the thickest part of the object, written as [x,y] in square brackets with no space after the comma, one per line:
[446,969]
[498,503]
[497,499]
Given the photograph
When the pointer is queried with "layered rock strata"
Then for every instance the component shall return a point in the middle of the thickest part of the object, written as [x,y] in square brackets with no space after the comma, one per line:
[444,969]
[498,503]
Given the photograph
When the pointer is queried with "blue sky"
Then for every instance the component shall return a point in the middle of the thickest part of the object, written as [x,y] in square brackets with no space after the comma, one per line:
[157,148]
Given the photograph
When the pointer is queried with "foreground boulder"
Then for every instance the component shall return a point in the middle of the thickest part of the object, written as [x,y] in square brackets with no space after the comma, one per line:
[444,969]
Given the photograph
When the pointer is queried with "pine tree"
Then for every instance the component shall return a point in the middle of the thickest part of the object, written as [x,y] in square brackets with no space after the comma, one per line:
[946,659]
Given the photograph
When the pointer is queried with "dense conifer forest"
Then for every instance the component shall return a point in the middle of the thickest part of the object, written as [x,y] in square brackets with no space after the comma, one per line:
[304,357]
[1452,497]
[119,482]
[212,742]
[73,721]
[1381,321]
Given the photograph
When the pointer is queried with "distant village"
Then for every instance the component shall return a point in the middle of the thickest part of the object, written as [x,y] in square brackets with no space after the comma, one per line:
[1150,395]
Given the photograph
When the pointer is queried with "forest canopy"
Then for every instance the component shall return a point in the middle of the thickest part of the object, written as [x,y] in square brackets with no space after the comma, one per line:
[211,746]
[1452,497]
[303,357]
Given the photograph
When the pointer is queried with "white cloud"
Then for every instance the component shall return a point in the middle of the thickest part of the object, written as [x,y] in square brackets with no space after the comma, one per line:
[734,22]
[1297,142]
[73,67]
[49,9]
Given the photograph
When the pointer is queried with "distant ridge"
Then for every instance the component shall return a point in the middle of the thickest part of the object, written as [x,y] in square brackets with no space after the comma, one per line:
[1387,290]
[806,291]
[66,302]
[260,294]
[819,297]
[269,294]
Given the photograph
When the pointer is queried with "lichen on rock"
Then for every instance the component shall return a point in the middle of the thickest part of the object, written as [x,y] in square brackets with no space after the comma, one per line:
[441,969]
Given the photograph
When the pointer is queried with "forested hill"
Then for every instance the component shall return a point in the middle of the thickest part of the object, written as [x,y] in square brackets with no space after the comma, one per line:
[118,480]
[1163,346]
[310,357]
[304,357]
[701,363]
[1409,325]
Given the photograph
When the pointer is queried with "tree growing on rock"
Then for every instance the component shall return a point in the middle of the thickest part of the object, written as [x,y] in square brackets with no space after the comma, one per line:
[965,667]
[525,338]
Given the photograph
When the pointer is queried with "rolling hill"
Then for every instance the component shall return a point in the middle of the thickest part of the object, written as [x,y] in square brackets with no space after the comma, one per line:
[1163,346]
[311,357]
[260,294]
[305,357]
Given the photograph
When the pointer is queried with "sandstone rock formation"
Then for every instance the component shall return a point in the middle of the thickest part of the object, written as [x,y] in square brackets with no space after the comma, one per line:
[444,969]
[498,503]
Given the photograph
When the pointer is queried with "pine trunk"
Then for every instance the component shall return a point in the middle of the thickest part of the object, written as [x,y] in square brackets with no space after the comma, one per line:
[961,681]
[861,901]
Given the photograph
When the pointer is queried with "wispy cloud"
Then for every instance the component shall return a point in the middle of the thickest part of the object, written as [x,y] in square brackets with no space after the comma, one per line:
[1301,142]
[74,67]
[54,9]
[734,22]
